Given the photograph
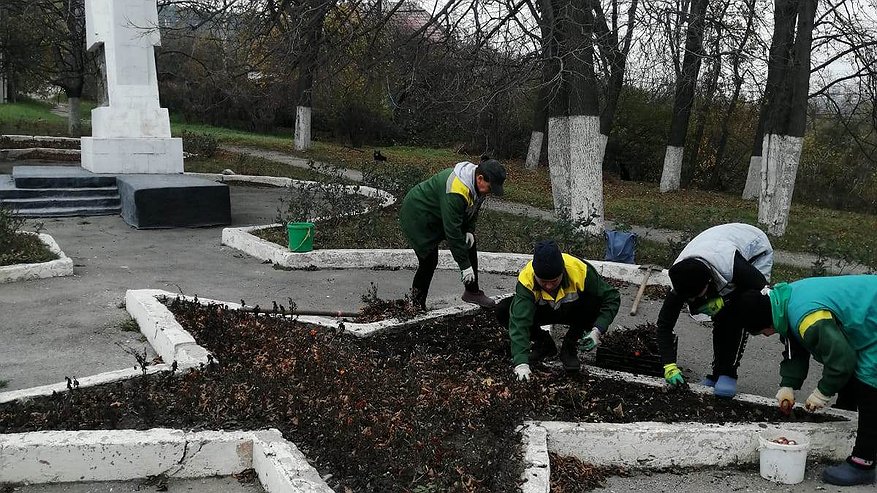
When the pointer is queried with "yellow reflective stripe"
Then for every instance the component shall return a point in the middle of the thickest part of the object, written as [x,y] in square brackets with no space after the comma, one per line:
[811,319]
[526,277]
[576,273]
[457,186]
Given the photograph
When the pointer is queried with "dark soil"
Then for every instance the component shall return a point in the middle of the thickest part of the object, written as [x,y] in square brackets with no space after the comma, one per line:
[640,341]
[376,308]
[433,408]
[570,475]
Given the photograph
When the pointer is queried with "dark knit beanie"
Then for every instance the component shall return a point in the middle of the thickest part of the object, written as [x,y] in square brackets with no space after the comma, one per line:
[689,277]
[751,310]
[547,260]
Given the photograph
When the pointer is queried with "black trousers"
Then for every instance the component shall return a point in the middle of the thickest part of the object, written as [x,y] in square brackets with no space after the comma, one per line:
[426,265]
[580,315]
[859,396]
[729,342]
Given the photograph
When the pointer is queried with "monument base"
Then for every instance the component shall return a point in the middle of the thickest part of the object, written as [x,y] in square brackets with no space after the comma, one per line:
[173,201]
[159,155]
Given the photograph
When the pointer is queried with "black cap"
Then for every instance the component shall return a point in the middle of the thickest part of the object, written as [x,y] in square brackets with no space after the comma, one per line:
[689,276]
[547,260]
[751,310]
[494,173]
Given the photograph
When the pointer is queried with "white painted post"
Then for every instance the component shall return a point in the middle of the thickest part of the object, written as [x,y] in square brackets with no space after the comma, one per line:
[535,149]
[302,128]
[753,184]
[132,134]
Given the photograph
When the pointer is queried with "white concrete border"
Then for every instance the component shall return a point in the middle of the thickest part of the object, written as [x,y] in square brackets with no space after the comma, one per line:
[650,445]
[537,466]
[118,455]
[499,263]
[39,138]
[60,267]
[91,381]
[171,340]
[386,198]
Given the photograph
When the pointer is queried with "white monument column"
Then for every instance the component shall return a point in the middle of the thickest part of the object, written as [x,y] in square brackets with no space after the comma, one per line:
[132,134]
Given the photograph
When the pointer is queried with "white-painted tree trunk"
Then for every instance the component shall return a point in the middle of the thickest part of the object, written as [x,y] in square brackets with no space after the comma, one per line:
[671,176]
[74,117]
[753,179]
[558,162]
[587,146]
[535,149]
[779,167]
[302,128]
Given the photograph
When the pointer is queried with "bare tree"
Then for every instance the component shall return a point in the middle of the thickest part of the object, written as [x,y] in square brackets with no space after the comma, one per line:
[61,28]
[684,100]
[785,110]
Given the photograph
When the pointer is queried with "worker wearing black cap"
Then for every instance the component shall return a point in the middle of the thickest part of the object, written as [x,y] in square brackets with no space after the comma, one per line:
[445,207]
[715,265]
[556,288]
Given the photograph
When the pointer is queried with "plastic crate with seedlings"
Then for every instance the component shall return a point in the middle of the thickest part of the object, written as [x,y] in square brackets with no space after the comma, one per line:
[633,350]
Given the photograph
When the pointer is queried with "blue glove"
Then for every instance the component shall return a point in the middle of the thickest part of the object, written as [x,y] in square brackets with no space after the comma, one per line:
[708,381]
[725,386]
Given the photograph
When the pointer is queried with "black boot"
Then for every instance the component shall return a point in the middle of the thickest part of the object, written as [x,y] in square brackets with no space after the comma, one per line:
[418,299]
[569,350]
[542,347]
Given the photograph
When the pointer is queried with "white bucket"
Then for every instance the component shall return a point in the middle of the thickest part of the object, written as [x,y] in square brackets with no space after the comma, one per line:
[783,463]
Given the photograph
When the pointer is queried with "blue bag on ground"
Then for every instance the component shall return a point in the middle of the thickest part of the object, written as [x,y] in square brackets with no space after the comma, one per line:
[620,246]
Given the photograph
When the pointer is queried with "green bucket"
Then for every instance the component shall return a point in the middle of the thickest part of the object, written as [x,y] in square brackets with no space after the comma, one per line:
[301,237]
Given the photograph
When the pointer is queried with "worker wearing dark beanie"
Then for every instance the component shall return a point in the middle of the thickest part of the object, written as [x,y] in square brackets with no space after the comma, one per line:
[547,260]
[556,288]
[689,277]
[715,266]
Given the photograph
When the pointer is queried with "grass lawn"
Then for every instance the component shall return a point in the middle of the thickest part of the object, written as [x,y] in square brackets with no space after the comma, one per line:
[249,165]
[497,232]
[846,235]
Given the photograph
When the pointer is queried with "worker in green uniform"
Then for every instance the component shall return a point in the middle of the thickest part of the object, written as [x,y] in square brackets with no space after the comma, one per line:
[556,288]
[445,207]
[834,319]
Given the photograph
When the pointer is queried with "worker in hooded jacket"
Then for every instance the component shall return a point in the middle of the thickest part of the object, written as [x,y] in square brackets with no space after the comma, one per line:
[446,207]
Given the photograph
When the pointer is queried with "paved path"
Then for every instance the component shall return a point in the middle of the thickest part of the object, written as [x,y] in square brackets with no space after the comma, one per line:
[796,259]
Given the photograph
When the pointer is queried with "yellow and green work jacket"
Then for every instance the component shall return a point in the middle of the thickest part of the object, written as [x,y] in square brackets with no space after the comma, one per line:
[580,279]
[443,207]
[834,319]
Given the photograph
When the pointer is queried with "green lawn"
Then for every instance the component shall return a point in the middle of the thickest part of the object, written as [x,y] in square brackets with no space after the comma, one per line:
[846,235]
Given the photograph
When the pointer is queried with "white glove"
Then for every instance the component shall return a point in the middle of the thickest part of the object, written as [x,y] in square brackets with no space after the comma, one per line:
[467,275]
[786,399]
[522,371]
[470,240]
[590,341]
[816,401]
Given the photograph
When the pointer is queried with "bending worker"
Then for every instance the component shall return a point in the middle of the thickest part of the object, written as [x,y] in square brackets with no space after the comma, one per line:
[556,288]
[445,207]
[716,264]
[834,319]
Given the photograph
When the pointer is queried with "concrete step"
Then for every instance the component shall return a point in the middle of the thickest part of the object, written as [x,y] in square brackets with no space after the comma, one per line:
[33,193]
[21,204]
[69,212]
[59,177]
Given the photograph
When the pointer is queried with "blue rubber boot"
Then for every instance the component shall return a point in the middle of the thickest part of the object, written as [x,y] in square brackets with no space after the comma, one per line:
[847,474]
[725,387]
[709,381]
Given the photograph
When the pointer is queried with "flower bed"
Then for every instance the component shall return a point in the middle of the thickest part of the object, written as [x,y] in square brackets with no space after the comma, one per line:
[433,407]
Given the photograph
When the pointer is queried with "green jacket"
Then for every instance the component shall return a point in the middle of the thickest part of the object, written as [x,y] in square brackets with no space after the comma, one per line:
[444,207]
[580,279]
[834,319]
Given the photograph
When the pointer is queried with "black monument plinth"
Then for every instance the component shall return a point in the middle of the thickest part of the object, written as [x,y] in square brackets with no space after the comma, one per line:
[173,201]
